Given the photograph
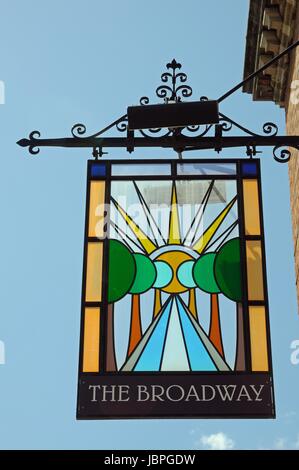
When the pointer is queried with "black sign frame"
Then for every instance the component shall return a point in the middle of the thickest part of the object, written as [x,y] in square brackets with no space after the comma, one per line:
[90,406]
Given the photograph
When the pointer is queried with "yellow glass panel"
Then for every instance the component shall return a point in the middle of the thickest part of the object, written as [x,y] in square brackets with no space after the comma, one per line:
[258,338]
[254,270]
[91,345]
[251,207]
[96,209]
[94,272]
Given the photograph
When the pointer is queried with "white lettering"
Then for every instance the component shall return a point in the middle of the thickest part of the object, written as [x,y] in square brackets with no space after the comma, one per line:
[176,387]
[227,395]
[115,460]
[192,393]
[142,390]
[257,393]
[189,459]
[94,391]
[204,397]
[244,393]
[155,395]
[124,393]
[106,392]
[155,460]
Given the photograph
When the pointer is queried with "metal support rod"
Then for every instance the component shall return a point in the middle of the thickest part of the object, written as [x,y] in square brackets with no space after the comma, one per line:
[261,69]
[179,142]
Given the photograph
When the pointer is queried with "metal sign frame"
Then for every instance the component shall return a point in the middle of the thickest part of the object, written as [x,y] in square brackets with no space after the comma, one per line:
[121,388]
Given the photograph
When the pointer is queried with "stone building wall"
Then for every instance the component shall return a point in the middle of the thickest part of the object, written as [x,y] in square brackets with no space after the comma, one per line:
[292,127]
[272,26]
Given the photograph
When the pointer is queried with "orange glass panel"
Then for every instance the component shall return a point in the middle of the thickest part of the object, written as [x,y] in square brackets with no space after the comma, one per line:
[91,345]
[96,209]
[254,270]
[258,338]
[251,207]
[94,272]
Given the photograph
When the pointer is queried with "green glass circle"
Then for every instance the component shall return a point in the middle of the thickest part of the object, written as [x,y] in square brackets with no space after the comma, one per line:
[145,274]
[227,270]
[203,273]
[122,269]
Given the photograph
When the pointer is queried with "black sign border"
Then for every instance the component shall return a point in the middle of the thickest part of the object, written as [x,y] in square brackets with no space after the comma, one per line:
[174,162]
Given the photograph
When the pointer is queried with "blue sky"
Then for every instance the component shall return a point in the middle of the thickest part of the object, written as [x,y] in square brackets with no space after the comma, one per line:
[68,62]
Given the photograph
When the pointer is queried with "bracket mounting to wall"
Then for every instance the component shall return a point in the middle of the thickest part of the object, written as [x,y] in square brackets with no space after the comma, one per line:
[173,90]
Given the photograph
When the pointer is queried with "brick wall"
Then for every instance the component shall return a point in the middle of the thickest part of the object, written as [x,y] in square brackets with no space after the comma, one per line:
[292,128]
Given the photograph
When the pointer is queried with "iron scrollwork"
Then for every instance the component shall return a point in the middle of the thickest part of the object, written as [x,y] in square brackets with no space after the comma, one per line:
[174,89]
[269,128]
[281,154]
[79,130]
[34,149]
[31,142]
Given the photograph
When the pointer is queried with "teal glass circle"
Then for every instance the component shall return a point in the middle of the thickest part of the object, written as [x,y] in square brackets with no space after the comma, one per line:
[185,274]
[164,274]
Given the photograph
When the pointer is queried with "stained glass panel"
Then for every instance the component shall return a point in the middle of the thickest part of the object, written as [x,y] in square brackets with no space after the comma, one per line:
[174,289]
[96,209]
[206,169]
[91,340]
[249,168]
[170,229]
[94,272]
[254,270]
[251,207]
[139,169]
[98,170]
[258,338]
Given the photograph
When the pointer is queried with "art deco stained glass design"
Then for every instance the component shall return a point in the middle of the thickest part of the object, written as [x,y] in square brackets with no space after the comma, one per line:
[174,277]
[169,257]
[174,297]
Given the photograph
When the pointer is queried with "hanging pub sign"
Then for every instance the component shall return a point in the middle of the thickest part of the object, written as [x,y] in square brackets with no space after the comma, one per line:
[174,304]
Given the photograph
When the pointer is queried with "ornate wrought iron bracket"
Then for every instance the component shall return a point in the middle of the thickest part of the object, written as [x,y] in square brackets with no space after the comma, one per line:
[202,137]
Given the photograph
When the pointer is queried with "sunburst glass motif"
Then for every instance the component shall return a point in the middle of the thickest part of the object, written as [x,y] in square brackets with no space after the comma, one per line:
[173,244]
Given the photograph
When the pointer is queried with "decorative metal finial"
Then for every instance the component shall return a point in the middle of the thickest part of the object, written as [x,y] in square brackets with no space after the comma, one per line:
[173,91]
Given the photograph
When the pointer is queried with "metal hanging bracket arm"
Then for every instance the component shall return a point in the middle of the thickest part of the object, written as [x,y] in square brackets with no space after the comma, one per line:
[190,137]
[257,72]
